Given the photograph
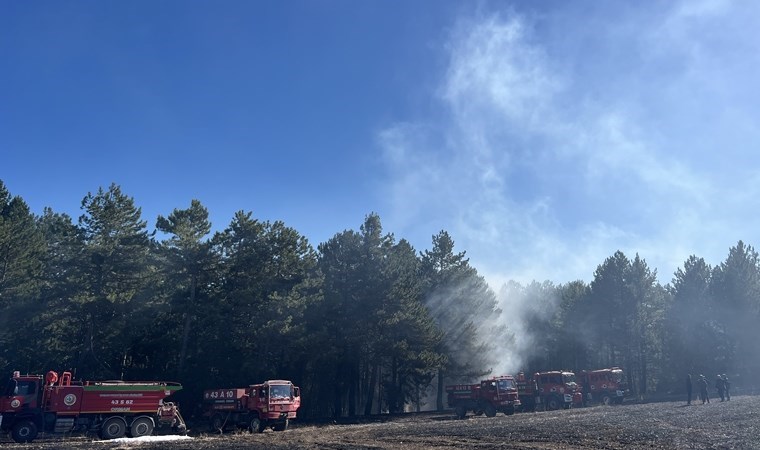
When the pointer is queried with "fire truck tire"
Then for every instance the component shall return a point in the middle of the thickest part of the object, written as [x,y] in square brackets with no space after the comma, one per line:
[509,410]
[281,426]
[256,426]
[24,431]
[489,410]
[553,403]
[460,411]
[142,426]
[113,428]
[216,424]
[606,399]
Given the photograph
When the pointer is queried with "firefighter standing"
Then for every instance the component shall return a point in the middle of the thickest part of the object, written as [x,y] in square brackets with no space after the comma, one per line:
[728,386]
[688,389]
[720,385]
[703,390]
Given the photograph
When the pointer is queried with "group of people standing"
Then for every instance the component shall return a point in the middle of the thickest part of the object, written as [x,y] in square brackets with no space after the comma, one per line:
[721,384]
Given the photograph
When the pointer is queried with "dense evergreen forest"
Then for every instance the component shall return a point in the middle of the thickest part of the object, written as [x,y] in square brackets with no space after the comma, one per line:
[364,322]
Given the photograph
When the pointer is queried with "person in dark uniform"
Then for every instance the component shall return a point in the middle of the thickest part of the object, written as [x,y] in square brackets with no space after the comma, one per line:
[688,389]
[720,385]
[728,386]
[703,395]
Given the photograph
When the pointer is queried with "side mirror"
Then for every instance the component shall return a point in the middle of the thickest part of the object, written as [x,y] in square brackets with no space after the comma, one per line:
[297,392]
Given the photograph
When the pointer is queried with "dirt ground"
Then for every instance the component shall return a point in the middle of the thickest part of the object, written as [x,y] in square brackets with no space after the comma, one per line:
[667,425]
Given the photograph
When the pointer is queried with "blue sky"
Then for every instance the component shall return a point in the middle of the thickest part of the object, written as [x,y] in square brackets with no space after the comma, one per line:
[543,135]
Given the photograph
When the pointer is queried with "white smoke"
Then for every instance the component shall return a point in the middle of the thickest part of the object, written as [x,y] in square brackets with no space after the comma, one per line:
[567,135]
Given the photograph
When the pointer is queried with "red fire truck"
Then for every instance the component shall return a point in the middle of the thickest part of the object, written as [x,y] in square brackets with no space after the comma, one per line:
[554,390]
[259,406]
[604,385]
[32,403]
[490,396]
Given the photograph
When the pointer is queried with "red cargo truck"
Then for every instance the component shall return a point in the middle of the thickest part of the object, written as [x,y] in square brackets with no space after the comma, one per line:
[604,385]
[554,390]
[489,397]
[271,404]
[31,404]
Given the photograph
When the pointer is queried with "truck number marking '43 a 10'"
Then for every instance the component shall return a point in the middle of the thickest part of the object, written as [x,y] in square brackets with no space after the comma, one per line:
[221,394]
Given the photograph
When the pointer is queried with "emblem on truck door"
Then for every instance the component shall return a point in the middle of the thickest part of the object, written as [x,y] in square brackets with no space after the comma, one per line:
[15,403]
[70,399]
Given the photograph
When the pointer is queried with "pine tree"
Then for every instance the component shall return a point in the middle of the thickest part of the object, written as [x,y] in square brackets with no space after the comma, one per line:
[464,308]
[114,303]
[736,294]
[189,258]
[21,252]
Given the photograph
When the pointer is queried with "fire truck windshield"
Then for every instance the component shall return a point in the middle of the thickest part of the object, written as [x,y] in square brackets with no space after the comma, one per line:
[617,375]
[279,391]
[506,384]
[568,377]
[22,387]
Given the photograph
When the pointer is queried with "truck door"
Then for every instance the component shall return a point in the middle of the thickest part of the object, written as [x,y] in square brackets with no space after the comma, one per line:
[19,394]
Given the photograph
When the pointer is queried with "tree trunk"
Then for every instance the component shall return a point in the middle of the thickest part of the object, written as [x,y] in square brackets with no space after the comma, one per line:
[371,390]
[394,395]
[186,330]
[439,400]
[417,397]
[338,393]
[352,384]
[643,365]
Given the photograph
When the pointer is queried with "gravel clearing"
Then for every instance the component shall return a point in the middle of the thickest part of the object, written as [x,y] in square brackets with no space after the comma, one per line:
[666,425]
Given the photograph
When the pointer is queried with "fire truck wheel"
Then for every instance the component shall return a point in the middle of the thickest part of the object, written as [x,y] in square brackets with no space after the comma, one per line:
[142,426]
[460,411]
[489,410]
[216,424]
[24,431]
[605,399]
[113,428]
[281,426]
[256,426]
[552,403]
[509,410]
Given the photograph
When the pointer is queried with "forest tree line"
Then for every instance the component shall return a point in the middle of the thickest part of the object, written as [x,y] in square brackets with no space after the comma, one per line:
[364,322]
